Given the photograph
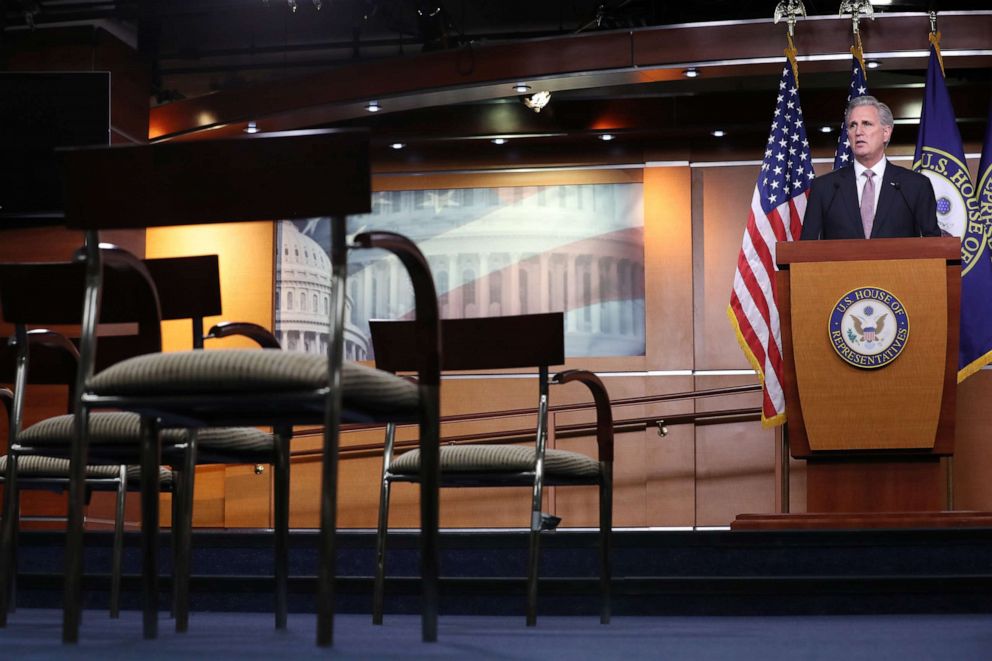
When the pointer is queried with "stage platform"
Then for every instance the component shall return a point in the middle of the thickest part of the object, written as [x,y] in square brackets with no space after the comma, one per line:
[686,572]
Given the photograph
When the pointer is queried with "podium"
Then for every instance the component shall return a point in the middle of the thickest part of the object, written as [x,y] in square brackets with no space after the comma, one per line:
[870,354]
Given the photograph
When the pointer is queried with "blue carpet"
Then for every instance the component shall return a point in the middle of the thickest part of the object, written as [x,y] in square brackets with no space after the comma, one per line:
[34,634]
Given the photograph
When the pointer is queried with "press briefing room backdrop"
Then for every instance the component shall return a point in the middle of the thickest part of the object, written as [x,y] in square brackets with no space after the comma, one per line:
[623,202]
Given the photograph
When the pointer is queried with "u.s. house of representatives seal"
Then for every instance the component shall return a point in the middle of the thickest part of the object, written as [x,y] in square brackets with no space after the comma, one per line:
[869,327]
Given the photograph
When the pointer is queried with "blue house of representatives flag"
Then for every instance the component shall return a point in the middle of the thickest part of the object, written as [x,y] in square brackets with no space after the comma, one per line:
[985,179]
[940,156]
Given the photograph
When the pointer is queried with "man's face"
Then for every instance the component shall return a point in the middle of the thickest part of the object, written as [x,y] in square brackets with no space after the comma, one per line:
[867,135]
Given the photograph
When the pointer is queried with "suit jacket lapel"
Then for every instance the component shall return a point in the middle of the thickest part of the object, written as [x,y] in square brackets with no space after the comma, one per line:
[849,193]
[886,198]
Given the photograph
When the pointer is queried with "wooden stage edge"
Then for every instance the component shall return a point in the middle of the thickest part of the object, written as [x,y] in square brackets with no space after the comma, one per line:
[862,520]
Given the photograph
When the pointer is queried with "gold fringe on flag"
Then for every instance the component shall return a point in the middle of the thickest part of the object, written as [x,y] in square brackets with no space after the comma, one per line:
[858,51]
[935,42]
[791,53]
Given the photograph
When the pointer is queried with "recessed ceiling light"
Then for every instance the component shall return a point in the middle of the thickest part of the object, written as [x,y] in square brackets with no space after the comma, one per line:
[521,88]
[373,106]
[719,133]
[606,137]
[251,128]
[398,145]
[691,72]
[826,129]
[873,64]
[499,141]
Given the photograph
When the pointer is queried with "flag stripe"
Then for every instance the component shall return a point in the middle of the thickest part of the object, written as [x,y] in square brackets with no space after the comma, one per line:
[777,207]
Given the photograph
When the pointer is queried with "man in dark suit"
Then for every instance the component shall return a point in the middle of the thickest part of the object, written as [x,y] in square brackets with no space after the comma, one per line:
[870,198]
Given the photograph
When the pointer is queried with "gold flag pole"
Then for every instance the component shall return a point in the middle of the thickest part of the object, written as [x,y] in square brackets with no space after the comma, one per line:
[935,40]
[790,10]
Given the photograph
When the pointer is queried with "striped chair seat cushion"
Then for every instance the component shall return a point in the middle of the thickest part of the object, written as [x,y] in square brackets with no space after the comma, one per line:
[57,467]
[234,445]
[35,466]
[134,476]
[252,371]
[500,459]
[118,433]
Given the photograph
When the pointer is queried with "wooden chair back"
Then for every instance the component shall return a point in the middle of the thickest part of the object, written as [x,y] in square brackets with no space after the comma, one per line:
[51,294]
[486,343]
[291,174]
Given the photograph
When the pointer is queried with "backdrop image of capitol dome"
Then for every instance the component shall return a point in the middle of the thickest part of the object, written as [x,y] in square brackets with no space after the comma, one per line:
[492,251]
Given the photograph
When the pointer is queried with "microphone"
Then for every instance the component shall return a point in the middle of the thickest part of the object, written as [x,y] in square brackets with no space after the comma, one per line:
[898,187]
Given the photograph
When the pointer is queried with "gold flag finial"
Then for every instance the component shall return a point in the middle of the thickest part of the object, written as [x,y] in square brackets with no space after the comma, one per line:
[857,9]
[790,10]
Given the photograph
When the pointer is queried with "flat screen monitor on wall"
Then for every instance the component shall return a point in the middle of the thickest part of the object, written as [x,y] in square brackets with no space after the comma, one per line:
[38,113]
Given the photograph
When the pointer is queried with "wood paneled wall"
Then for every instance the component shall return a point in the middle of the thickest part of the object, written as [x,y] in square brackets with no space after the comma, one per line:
[694,476]
[702,476]
[689,477]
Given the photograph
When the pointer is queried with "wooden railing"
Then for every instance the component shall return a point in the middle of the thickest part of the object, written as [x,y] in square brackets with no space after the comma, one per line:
[620,425]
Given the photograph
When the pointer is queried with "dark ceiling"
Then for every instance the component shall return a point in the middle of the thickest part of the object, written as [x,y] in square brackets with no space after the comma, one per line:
[200,46]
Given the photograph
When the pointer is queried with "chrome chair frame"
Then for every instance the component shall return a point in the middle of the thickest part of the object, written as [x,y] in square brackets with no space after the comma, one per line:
[174,277]
[315,173]
[56,284]
[461,351]
[14,402]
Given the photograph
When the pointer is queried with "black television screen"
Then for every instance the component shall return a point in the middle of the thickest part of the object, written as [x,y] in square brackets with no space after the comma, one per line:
[38,113]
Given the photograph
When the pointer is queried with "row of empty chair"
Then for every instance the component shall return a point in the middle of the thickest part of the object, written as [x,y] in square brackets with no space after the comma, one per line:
[133,404]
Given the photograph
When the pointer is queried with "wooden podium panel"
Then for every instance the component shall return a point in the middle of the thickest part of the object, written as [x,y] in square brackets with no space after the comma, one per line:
[904,484]
[834,393]
[872,436]
[894,407]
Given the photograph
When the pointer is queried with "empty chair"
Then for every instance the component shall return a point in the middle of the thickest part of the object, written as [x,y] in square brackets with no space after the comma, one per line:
[525,341]
[297,174]
[52,293]
[54,363]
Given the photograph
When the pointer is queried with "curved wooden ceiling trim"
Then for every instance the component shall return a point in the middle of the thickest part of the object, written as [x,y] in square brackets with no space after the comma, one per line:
[581,61]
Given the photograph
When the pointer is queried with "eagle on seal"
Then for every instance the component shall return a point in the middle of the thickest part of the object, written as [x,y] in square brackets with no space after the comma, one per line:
[869,332]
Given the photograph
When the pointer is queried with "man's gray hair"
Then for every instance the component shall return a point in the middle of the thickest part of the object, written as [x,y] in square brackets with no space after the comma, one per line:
[884,112]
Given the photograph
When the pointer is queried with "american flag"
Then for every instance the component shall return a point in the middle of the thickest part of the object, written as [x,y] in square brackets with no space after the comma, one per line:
[777,209]
[858,87]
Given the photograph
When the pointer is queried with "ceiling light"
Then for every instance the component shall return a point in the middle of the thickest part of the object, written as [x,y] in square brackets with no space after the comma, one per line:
[520,88]
[881,2]
[398,145]
[606,137]
[373,106]
[719,133]
[499,141]
[691,72]
[251,128]
[826,129]
[873,64]
[537,101]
